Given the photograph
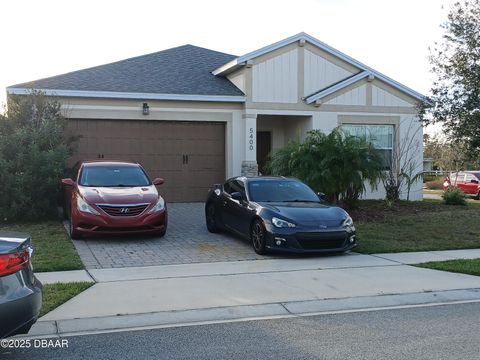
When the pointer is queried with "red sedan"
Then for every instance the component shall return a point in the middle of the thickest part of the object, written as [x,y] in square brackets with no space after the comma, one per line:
[467,181]
[112,197]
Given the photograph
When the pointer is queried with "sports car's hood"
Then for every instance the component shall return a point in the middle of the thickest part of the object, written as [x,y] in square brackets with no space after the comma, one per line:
[308,213]
[119,195]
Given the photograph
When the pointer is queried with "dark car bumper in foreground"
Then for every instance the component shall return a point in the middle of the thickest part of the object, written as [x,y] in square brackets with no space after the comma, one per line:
[20,302]
[90,224]
[310,240]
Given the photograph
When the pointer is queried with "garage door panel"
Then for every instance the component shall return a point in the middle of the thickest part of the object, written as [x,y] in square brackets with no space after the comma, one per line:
[171,146]
[172,189]
[204,162]
[159,146]
[162,164]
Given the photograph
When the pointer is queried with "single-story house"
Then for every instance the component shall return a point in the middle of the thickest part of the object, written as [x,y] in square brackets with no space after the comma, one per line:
[427,164]
[195,116]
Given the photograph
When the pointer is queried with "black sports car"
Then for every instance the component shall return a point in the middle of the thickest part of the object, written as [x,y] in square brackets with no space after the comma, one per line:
[280,214]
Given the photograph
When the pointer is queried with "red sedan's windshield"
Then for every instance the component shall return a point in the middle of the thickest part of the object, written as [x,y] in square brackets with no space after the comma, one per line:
[113,176]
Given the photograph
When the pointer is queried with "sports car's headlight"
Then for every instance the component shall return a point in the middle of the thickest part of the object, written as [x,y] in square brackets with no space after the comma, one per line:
[347,222]
[282,223]
[159,206]
[84,207]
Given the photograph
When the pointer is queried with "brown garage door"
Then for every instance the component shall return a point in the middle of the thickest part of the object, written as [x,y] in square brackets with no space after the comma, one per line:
[190,156]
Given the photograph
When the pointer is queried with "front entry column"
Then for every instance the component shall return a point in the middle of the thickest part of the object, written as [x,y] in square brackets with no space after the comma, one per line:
[249,164]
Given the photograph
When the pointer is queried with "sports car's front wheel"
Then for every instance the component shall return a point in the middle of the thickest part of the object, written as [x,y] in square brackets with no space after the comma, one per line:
[257,235]
[210,218]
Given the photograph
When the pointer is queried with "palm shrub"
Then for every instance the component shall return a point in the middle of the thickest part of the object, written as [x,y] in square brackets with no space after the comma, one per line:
[33,154]
[281,161]
[336,164]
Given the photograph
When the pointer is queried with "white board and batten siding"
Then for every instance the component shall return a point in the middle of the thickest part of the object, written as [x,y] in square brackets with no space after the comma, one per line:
[276,79]
[381,97]
[320,73]
[238,79]
[357,96]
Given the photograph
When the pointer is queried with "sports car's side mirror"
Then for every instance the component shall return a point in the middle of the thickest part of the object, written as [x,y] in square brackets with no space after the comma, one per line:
[321,196]
[237,196]
[158,181]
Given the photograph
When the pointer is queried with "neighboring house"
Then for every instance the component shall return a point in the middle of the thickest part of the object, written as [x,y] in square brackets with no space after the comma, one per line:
[427,164]
[195,116]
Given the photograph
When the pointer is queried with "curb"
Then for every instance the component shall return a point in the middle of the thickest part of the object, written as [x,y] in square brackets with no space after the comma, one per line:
[72,327]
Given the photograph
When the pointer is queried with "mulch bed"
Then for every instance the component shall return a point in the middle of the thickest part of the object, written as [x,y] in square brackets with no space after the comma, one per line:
[375,210]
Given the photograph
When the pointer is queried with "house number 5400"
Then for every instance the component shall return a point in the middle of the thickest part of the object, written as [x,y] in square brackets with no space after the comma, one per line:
[251,139]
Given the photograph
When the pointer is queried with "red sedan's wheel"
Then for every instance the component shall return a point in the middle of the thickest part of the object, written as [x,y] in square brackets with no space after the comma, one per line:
[74,234]
[161,233]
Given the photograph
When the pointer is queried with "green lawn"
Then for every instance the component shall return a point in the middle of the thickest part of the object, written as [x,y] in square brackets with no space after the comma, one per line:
[471,266]
[53,249]
[443,227]
[406,226]
[55,295]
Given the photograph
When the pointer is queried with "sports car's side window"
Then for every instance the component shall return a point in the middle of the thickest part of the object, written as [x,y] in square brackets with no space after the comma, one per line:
[239,186]
[227,187]
[235,186]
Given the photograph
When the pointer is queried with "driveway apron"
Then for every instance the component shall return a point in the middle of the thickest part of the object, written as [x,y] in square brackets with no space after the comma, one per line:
[187,241]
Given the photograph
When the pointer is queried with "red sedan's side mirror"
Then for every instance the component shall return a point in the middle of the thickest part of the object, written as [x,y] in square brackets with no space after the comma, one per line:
[158,181]
[68,182]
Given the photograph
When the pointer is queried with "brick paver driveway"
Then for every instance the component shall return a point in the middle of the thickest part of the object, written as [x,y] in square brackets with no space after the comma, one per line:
[187,241]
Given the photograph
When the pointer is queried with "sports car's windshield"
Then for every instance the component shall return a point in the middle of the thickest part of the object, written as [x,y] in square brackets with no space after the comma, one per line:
[113,176]
[280,191]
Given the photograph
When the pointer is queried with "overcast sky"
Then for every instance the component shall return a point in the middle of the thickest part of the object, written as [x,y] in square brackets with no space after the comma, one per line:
[48,37]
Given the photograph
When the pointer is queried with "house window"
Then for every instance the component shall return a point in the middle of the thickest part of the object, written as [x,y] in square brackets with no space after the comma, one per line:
[380,136]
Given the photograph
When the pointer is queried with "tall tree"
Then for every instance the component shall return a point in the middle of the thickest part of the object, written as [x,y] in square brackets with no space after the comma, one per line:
[449,156]
[455,95]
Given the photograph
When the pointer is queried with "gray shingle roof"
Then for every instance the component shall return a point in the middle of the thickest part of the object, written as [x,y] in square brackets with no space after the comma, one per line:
[181,70]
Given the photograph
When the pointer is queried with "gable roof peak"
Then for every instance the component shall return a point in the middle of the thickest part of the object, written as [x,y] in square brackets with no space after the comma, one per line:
[241,61]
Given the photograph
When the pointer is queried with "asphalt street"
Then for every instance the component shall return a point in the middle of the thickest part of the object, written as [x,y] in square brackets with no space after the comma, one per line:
[435,332]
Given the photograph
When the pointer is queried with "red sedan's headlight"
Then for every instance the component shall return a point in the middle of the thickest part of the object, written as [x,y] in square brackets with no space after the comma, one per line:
[84,207]
[159,206]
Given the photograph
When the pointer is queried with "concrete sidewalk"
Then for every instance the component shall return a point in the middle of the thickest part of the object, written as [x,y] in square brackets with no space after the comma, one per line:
[154,272]
[224,291]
